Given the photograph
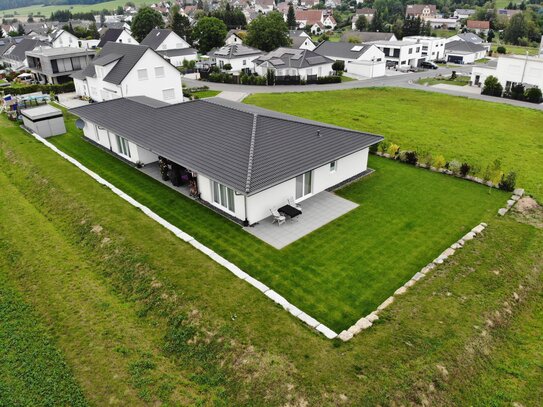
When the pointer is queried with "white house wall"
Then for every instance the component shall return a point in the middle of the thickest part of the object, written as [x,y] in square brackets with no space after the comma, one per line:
[237,63]
[259,205]
[205,190]
[367,69]
[126,38]
[173,41]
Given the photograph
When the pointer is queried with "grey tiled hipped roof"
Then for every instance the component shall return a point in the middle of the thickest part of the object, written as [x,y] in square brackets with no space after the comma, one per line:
[344,50]
[366,36]
[216,138]
[292,58]
[463,46]
[126,55]
[233,51]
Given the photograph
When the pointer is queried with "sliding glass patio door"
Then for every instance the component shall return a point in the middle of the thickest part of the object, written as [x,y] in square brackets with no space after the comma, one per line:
[304,184]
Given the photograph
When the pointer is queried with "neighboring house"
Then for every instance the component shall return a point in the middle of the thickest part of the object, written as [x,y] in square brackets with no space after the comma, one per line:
[264,6]
[364,60]
[14,55]
[309,18]
[120,35]
[233,38]
[239,159]
[463,13]
[55,65]
[478,26]
[170,45]
[332,3]
[61,38]
[433,48]
[301,40]
[122,70]
[368,13]
[443,23]
[508,13]
[367,36]
[423,11]
[467,37]
[7,28]
[401,54]
[239,56]
[463,52]
[511,70]
[294,62]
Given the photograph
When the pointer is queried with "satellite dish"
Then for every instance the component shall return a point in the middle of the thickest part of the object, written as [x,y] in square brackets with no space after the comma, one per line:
[80,124]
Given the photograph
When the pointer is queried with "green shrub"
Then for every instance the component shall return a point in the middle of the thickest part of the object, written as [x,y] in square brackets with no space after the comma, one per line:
[409,157]
[62,88]
[454,166]
[492,87]
[508,182]
[227,67]
[393,149]
[383,146]
[493,172]
[439,161]
[501,50]
[533,95]
[464,169]
[328,79]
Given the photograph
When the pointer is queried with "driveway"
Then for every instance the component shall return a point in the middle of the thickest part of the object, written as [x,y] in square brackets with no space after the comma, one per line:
[393,79]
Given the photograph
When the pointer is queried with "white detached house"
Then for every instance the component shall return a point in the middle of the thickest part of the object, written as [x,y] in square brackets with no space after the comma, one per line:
[119,35]
[123,70]
[170,46]
[61,39]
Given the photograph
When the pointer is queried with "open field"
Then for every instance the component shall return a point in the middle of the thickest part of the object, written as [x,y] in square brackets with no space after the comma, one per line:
[76,8]
[391,218]
[449,330]
[514,49]
[458,81]
[476,132]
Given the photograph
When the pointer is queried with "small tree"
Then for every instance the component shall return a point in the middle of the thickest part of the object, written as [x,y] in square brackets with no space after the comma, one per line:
[492,87]
[291,17]
[227,67]
[210,32]
[533,95]
[268,32]
[490,36]
[361,23]
[144,21]
[517,91]
[338,66]
[508,182]
[501,50]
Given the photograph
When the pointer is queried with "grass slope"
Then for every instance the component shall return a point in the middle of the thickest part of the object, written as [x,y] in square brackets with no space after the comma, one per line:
[466,130]
[388,238]
[76,8]
[267,357]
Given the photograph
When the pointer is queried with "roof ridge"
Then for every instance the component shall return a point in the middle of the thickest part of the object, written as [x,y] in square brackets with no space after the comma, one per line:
[251,154]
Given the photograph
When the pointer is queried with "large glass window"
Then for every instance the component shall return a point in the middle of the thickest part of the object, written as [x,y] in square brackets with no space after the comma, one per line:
[122,144]
[223,196]
[303,184]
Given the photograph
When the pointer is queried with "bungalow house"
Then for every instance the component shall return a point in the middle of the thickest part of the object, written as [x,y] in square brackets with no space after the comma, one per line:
[478,27]
[433,48]
[170,45]
[422,11]
[440,23]
[239,56]
[264,6]
[463,52]
[238,159]
[511,70]
[61,38]
[364,60]
[123,70]
[301,40]
[463,13]
[365,12]
[120,35]
[290,62]
[56,65]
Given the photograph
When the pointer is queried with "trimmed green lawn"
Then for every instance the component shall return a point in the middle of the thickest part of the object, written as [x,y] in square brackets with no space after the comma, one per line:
[515,49]
[346,78]
[203,94]
[406,217]
[471,131]
[458,81]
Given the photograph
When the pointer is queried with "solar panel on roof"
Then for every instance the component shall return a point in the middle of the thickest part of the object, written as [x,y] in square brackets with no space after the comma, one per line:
[356,48]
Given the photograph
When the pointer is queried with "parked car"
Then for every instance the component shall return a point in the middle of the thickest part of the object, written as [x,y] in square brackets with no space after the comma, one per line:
[428,65]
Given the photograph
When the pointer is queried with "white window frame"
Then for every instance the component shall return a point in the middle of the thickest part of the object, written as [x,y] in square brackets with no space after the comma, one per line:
[304,186]
[223,196]
[123,146]
[140,72]
[157,75]
[164,94]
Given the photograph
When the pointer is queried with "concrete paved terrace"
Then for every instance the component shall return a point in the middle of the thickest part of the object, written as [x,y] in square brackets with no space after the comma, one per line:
[317,211]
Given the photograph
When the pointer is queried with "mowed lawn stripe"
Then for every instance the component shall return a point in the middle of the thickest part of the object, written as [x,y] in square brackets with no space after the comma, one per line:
[462,129]
[406,217]
[115,355]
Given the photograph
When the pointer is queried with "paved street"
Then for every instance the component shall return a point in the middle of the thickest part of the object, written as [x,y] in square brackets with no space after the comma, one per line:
[407,80]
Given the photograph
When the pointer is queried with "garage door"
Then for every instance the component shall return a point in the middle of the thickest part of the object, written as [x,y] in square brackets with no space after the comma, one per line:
[455,59]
